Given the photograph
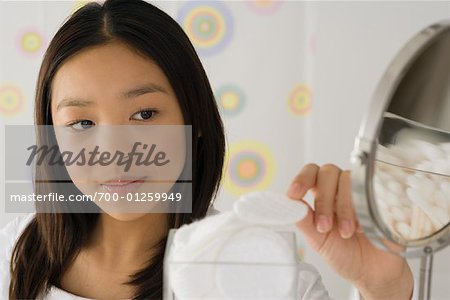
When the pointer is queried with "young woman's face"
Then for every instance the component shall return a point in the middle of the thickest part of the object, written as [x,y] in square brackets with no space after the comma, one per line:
[101,88]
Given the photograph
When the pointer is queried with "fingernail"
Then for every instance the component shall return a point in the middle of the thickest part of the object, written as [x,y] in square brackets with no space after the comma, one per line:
[323,223]
[346,228]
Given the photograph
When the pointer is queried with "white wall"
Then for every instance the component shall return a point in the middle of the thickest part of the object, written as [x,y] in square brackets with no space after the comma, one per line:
[355,43]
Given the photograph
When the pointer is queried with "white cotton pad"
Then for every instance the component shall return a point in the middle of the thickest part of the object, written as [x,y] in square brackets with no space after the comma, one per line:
[408,152]
[431,151]
[192,275]
[191,280]
[270,209]
[183,235]
[223,223]
[256,263]
[193,254]
[191,239]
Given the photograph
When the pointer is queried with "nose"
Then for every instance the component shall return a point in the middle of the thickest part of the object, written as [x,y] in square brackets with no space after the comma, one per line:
[114,143]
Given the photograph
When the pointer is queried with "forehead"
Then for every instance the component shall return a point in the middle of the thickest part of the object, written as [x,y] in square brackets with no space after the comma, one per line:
[105,69]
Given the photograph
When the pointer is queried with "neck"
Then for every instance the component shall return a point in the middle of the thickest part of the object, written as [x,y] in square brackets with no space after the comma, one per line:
[128,243]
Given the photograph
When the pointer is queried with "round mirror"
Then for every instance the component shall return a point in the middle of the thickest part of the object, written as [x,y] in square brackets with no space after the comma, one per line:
[401,160]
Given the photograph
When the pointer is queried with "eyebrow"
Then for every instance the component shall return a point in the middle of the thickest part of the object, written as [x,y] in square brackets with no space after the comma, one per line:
[133,93]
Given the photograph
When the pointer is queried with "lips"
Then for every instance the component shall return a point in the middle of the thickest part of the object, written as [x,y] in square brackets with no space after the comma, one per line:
[122,186]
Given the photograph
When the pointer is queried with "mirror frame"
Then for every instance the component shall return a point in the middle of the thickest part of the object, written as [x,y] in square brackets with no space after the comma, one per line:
[364,153]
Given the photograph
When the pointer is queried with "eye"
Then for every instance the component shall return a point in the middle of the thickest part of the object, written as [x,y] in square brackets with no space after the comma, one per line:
[144,114]
[81,125]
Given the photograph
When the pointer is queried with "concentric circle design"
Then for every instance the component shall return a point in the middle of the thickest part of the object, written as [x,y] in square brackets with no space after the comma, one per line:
[250,166]
[265,6]
[231,99]
[209,25]
[11,100]
[31,41]
[299,100]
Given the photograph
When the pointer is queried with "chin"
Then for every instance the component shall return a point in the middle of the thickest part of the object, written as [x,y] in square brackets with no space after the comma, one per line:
[125,217]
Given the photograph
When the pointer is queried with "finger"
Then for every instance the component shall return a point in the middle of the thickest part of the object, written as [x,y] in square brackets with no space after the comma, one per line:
[303,182]
[314,238]
[344,207]
[326,188]
[358,227]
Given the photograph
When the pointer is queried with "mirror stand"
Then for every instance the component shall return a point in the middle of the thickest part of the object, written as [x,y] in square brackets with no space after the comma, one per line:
[426,269]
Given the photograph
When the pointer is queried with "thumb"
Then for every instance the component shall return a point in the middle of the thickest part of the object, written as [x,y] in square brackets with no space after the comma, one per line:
[307,227]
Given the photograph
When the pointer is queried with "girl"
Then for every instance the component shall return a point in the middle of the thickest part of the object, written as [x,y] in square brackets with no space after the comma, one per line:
[129,45]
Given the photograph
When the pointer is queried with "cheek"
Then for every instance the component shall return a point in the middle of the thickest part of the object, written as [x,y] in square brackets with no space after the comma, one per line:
[73,149]
[80,177]
[173,148]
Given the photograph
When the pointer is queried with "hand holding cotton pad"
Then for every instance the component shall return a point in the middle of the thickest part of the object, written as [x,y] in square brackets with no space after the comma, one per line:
[238,254]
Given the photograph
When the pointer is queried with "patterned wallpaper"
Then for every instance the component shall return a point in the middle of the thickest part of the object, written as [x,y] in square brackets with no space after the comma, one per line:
[253,51]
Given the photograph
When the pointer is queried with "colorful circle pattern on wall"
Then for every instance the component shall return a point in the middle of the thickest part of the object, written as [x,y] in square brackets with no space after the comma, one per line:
[11,100]
[250,166]
[231,99]
[299,100]
[209,25]
[31,41]
[265,6]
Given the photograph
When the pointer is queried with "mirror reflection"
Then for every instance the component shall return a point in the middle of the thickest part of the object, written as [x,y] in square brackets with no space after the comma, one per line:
[412,178]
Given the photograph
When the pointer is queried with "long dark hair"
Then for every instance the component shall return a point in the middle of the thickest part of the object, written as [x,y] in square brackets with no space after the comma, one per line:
[51,241]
